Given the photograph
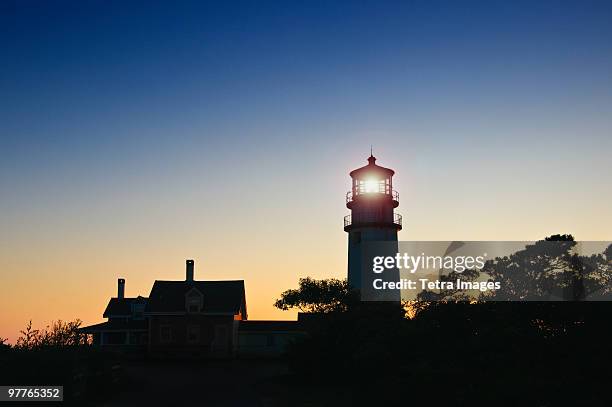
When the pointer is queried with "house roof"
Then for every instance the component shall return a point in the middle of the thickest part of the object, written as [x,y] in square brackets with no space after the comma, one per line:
[269,326]
[226,297]
[116,325]
[121,306]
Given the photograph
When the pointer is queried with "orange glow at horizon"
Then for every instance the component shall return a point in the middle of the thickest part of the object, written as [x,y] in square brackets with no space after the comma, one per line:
[63,260]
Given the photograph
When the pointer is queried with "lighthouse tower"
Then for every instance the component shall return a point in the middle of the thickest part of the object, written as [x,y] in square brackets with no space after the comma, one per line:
[372,219]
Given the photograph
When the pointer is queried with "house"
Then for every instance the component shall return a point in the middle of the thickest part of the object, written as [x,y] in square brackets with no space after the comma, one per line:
[197,317]
[126,325]
[191,318]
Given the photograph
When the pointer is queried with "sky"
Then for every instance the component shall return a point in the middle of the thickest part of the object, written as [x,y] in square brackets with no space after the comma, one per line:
[135,135]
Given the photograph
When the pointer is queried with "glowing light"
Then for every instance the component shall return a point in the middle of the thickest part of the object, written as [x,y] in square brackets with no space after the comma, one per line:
[372,186]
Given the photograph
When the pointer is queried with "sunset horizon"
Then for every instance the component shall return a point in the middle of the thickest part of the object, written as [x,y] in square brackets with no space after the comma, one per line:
[262,292]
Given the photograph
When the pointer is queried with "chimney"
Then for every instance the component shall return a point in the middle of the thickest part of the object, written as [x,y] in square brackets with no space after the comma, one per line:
[121,288]
[189,275]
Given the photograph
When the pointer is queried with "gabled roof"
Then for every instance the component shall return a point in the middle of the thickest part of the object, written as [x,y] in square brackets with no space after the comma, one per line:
[223,297]
[122,306]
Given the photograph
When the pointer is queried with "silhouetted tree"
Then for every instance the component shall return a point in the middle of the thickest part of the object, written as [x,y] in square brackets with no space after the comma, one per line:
[58,334]
[458,350]
[549,269]
[29,338]
[447,294]
[318,296]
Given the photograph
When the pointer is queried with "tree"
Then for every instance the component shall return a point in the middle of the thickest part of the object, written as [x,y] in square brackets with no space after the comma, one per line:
[29,338]
[58,334]
[549,269]
[318,296]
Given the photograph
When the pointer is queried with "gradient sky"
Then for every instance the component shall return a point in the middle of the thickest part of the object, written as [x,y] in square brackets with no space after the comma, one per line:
[134,135]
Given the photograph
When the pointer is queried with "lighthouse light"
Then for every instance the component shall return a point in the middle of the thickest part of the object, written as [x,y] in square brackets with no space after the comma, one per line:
[372,186]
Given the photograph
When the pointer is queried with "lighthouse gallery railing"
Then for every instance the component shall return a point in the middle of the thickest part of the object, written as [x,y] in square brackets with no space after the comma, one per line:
[397,220]
[350,196]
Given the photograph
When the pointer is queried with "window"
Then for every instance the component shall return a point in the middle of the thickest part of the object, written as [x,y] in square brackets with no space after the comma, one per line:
[138,311]
[372,186]
[193,333]
[193,301]
[193,304]
[165,334]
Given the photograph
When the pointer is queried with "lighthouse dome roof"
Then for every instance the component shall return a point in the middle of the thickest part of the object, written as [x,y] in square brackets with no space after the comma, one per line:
[372,169]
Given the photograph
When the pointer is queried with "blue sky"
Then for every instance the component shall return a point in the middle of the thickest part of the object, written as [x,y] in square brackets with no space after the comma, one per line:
[104,76]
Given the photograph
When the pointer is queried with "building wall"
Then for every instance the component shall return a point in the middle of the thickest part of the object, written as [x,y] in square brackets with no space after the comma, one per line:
[195,334]
[372,221]
[265,343]
[358,237]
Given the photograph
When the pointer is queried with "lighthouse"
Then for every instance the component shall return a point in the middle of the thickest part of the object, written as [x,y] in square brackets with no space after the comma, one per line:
[372,202]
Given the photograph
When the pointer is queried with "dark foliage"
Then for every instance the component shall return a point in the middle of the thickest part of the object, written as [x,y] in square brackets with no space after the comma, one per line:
[58,334]
[59,355]
[528,354]
[317,296]
[464,353]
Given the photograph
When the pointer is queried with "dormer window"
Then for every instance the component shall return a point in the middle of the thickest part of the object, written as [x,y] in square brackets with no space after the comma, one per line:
[194,301]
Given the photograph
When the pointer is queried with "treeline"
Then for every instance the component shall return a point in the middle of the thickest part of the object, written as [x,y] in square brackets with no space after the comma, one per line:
[59,354]
[528,354]
[454,352]
[58,334]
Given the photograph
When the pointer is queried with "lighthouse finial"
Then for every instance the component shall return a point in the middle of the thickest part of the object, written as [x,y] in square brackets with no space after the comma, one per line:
[371,158]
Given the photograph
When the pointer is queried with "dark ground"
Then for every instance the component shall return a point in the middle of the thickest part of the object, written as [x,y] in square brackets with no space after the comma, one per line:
[200,383]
